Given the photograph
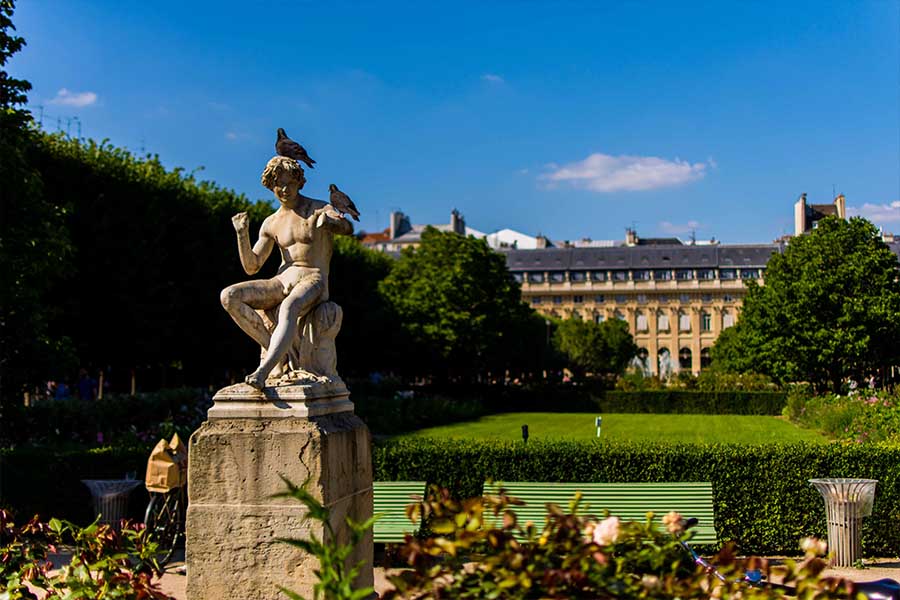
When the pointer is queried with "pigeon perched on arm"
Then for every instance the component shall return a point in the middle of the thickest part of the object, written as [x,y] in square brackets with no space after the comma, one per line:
[285,146]
[342,202]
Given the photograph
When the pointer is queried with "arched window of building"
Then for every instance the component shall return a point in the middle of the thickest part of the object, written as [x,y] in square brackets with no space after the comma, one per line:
[684,321]
[684,359]
[705,321]
[727,319]
[620,316]
[662,321]
[705,359]
[641,322]
[599,318]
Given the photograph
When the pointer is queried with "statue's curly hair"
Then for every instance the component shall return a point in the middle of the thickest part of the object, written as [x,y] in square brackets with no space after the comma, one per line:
[275,166]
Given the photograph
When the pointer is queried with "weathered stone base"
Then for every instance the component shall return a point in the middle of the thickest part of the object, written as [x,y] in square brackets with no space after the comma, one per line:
[233,521]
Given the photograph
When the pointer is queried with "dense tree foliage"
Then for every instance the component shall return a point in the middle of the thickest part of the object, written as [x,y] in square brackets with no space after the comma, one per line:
[460,306]
[153,247]
[829,310]
[34,244]
[371,338]
[600,349]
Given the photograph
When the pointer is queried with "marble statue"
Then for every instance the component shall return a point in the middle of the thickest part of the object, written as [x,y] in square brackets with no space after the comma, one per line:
[289,316]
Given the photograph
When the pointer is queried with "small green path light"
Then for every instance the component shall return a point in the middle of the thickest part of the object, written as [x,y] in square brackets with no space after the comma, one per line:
[525,433]
[598,422]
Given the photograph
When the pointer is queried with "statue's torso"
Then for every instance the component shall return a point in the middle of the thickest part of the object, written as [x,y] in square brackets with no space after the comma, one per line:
[300,242]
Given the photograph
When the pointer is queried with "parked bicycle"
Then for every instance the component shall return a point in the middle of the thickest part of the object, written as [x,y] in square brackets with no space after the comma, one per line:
[166,481]
[881,589]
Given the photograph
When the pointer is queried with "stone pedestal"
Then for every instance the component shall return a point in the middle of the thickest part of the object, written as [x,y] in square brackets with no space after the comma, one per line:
[251,438]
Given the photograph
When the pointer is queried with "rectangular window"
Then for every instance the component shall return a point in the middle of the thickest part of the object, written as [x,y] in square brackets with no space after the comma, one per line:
[684,298]
[557,276]
[576,276]
[727,320]
[749,274]
[706,273]
[706,298]
[518,277]
[705,322]
[728,298]
[727,274]
[662,274]
[598,275]
[641,275]
[535,299]
[684,322]
[684,274]
[577,299]
[599,319]
[557,299]
[662,322]
[620,275]
[599,299]
[620,298]
[663,299]
[642,298]
[536,277]
[642,323]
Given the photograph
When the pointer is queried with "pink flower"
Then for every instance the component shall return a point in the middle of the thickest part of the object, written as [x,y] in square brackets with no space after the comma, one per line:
[813,546]
[607,531]
[673,522]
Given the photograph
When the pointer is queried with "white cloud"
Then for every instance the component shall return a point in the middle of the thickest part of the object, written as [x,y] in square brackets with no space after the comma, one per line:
[230,135]
[492,78]
[605,173]
[877,213]
[79,99]
[678,229]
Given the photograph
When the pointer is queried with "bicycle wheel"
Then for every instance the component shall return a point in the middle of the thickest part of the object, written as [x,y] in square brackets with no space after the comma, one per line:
[163,521]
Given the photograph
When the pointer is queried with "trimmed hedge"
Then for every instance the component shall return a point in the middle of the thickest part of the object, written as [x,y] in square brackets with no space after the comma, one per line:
[47,482]
[761,494]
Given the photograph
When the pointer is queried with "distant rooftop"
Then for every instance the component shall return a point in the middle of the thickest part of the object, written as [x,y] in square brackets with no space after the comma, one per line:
[642,257]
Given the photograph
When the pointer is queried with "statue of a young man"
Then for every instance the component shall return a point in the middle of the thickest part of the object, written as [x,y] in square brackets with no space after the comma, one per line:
[303,230]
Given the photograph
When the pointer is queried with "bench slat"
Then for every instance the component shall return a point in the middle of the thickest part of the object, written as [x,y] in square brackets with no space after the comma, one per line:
[628,501]
[390,499]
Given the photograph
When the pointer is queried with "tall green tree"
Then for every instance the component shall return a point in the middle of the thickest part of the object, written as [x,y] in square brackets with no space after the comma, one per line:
[34,244]
[829,310]
[458,303]
[601,349]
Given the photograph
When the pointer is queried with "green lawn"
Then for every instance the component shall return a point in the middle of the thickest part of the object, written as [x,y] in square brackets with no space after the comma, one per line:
[739,429]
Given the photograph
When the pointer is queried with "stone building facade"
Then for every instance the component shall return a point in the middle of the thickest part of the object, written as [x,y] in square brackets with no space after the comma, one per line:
[676,298]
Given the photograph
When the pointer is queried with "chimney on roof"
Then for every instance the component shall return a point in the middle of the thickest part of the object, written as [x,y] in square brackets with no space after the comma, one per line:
[399,224]
[541,242]
[800,215]
[840,204]
[457,222]
[631,237]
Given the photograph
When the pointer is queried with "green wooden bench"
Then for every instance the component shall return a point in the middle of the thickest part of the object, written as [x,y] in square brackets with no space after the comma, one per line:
[628,501]
[390,499]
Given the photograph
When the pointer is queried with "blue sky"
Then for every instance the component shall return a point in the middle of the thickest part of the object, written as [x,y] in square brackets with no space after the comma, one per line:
[572,119]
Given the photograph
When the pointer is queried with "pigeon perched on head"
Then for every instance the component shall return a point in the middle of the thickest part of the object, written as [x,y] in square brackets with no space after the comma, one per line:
[285,146]
[342,202]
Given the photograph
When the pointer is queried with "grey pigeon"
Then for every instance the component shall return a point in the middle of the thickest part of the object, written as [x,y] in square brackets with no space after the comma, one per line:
[285,146]
[342,202]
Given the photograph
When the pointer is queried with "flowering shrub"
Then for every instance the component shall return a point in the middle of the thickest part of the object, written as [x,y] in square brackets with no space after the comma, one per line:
[105,563]
[860,416]
[480,550]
